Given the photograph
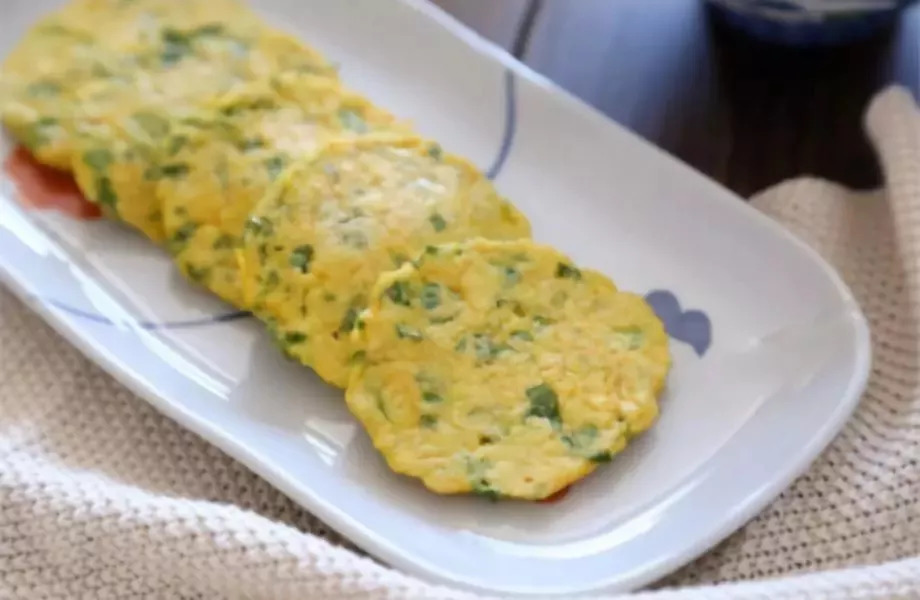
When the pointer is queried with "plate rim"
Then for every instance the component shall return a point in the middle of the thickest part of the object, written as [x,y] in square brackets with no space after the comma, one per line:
[390,553]
[728,200]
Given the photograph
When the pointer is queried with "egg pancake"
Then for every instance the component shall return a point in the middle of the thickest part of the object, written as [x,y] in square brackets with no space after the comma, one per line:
[229,165]
[38,83]
[217,63]
[67,68]
[120,162]
[502,369]
[316,244]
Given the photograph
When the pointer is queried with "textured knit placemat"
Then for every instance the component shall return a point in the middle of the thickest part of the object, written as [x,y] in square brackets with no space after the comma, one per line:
[101,497]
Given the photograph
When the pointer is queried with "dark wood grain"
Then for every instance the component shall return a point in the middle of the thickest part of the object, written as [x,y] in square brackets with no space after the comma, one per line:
[747,114]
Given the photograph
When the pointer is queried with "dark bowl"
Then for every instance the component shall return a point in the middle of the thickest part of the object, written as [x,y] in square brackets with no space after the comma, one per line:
[823,23]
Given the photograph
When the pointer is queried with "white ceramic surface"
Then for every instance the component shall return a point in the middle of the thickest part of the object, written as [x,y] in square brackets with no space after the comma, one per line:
[771,352]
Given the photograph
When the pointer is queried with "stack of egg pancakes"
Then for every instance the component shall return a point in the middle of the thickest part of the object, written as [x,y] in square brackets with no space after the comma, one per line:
[476,359]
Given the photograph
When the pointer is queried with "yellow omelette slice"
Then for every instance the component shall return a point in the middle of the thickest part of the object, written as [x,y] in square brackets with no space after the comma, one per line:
[500,368]
[316,244]
[228,166]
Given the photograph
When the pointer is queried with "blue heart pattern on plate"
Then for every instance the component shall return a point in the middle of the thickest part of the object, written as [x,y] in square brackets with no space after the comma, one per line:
[692,327]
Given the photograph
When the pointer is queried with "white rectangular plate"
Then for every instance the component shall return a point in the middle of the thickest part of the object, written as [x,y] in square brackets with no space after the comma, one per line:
[770,350]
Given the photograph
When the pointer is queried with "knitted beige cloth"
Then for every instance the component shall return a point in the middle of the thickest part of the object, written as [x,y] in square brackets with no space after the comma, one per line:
[101,497]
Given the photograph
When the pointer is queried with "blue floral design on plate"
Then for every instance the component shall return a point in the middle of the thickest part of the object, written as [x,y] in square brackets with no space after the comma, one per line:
[692,327]
[95,317]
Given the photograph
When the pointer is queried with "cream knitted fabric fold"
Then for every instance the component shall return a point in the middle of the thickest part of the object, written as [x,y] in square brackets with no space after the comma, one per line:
[101,497]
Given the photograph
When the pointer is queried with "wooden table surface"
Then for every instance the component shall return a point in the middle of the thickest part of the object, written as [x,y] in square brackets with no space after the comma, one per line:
[746,114]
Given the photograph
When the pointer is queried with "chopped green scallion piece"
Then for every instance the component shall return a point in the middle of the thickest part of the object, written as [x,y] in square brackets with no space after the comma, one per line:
[225,242]
[260,226]
[251,144]
[174,170]
[44,89]
[431,296]
[408,333]
[352,121]
[581,440]
[601,457]
[300,258]
[438,222]
[382,408]
[482,487]
[176,144]
[486,349]
[295,337]
[98,159]
[181,237]
[153,124]
[565,271]
[431,397]
[272,281]
[196,274]
[543,403]
[398,293]
[274,166]
[541,321]
[355,239]
[348,320]
[105,194]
